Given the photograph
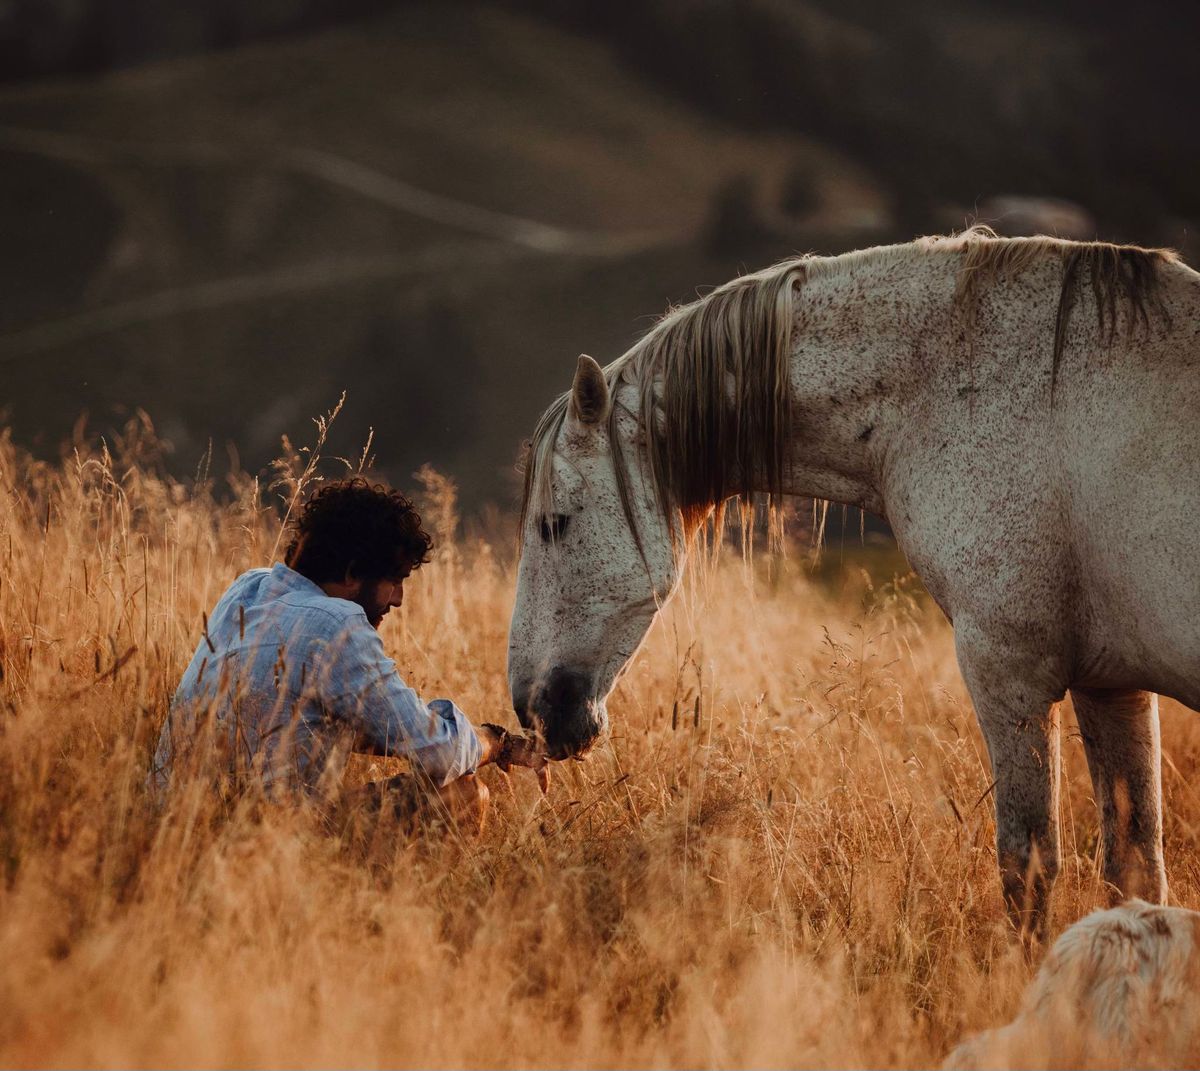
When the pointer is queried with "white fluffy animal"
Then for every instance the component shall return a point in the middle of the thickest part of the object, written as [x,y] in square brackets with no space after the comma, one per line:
[1120,988]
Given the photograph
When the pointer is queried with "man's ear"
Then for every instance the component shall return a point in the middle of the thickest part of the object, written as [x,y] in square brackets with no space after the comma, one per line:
[589,393]
[353,583]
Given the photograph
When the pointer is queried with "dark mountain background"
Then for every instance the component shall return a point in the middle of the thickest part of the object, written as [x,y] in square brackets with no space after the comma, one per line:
[226,213]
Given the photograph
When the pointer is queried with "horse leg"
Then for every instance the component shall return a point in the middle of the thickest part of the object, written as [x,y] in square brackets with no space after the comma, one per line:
[1124,753]
[1016,702]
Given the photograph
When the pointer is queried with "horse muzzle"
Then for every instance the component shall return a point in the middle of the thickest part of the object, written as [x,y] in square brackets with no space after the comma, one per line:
[562,707]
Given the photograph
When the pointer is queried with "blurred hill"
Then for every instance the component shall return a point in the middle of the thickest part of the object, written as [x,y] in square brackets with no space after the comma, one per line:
[437,207]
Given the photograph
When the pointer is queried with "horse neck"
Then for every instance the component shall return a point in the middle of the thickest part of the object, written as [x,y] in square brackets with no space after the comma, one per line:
[859,344]
[865,339]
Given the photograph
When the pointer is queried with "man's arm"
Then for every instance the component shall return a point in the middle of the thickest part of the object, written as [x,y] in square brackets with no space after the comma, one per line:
[389,718]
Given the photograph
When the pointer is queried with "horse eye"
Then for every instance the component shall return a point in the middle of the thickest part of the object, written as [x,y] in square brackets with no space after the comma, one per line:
[553,526]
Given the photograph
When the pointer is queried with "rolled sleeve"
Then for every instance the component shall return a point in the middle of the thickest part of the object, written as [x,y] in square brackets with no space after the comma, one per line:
[389,718]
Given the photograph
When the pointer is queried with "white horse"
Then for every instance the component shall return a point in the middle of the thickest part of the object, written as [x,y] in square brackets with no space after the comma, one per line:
[1024,412]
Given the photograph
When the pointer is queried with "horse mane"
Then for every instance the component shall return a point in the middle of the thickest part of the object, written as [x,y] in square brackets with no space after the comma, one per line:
[712,400]
[1123,279]
[712,376]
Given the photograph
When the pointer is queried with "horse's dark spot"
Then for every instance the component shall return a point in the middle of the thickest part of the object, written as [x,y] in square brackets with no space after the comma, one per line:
[865,434]
[561,708]
[565,688]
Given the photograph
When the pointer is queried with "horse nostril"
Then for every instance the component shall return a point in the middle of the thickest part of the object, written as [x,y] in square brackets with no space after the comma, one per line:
[567,712]
[565,691]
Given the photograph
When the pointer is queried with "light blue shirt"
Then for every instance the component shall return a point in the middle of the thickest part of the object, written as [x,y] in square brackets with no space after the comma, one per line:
[295,680]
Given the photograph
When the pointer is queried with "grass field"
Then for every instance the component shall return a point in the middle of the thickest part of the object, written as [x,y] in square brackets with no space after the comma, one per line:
[783,855]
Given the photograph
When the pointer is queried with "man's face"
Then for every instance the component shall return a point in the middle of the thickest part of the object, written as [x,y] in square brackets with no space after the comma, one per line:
[377,597]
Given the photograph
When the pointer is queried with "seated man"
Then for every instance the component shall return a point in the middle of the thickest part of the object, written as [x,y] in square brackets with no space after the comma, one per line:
[290,674]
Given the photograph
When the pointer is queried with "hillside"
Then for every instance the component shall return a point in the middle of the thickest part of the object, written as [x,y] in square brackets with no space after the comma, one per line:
[438,207]
[434,210]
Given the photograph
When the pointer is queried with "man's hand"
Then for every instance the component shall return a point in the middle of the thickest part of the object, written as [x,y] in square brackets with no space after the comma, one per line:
[507,749]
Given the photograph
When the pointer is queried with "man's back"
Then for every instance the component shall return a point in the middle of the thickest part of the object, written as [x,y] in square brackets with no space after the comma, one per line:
[296,679]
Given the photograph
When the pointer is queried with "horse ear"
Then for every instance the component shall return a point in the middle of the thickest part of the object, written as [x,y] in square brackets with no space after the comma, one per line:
[589,392]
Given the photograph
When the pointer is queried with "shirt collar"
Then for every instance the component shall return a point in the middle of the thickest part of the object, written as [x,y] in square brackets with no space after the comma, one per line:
[293,581]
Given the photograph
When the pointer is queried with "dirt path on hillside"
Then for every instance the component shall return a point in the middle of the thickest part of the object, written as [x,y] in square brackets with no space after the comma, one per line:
[349,175]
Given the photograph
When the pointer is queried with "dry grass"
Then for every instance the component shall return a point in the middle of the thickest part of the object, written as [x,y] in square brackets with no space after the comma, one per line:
[782,857]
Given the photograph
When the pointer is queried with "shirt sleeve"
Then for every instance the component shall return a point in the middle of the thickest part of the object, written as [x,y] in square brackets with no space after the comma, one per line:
[391,719]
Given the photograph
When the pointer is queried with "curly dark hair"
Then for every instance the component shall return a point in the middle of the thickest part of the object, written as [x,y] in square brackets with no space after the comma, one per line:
[355,528]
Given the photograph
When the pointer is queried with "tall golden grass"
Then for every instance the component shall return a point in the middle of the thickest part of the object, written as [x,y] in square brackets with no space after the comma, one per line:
[783,855]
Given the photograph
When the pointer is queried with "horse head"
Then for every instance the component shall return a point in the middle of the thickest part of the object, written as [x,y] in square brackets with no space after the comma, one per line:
[597,561]
[623,471]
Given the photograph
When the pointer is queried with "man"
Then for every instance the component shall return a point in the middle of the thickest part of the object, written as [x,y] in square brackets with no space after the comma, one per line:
[290,674]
